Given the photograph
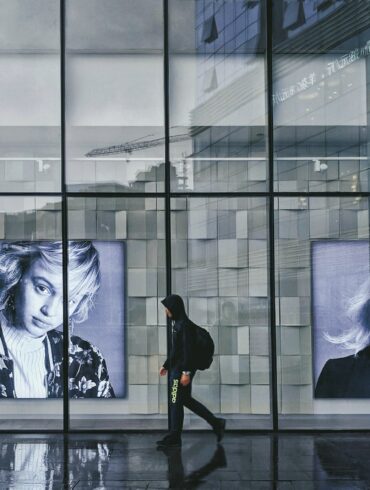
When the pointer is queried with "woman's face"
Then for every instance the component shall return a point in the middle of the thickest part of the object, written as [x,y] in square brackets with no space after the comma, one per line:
[38,300]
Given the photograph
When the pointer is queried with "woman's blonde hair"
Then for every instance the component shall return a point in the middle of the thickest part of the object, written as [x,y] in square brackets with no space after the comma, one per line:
[357,337]
[83,264]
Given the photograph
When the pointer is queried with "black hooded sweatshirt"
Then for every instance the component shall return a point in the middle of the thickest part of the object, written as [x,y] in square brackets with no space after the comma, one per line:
[183,336]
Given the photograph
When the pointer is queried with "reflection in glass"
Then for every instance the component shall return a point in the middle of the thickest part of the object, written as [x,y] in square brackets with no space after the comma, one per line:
[217,95]
[322,259]
[219,266]
[132,232]
[320,92]
[34,221]
[30,96]
[114,95]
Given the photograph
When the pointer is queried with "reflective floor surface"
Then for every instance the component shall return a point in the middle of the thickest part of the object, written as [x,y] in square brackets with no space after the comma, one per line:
[246,461]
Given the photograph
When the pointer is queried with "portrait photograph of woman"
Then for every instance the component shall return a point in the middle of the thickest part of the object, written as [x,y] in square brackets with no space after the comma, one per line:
[31,319]
[341,319]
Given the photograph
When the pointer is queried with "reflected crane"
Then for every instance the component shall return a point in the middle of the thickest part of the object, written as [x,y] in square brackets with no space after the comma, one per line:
[135,145]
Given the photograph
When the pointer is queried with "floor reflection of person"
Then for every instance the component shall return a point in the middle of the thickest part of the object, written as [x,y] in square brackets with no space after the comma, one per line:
[31,302]
[176,473]
[348,377]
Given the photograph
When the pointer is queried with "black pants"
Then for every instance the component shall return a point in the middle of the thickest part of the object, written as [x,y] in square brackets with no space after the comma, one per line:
[180,397]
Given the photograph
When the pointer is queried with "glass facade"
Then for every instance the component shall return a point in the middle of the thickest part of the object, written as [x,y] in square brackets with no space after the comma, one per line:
[320,100]
[30,118]
[306,311]
[139,223]
[320,97]
[217,149]
[219,266]
[217,96]
[25,220]
[114,96]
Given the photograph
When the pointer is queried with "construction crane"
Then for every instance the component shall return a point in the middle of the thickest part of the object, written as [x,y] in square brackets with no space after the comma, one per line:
[135,145]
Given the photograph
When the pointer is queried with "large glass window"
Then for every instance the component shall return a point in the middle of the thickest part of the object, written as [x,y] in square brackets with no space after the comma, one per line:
[213,70]
[322,261]
[114,95]
[127,326]
[30,96]
[31,319]
[320,96]
[29,162]
[219,265]
[217,95]
[320,67]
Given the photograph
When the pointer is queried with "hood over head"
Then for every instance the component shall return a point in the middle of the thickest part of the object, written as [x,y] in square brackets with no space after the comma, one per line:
[175,304]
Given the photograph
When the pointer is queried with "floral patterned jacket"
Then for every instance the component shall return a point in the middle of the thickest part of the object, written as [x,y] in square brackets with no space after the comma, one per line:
[87,372]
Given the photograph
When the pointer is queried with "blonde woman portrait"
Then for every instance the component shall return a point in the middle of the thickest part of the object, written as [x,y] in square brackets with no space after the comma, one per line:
[31,320]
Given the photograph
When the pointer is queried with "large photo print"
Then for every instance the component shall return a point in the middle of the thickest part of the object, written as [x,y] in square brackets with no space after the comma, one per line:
[31,319]
[341,319]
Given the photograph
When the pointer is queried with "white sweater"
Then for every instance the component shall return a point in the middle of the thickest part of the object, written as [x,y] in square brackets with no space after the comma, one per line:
[28,355]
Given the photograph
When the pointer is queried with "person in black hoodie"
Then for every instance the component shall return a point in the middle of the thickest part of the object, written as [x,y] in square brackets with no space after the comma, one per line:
[181,368]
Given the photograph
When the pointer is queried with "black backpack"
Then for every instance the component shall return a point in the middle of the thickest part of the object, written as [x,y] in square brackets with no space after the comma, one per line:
[204,348]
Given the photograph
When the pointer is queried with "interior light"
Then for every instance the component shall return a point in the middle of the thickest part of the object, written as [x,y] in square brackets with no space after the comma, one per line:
[319,166]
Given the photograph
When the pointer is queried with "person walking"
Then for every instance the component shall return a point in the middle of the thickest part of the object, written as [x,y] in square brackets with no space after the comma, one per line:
[182,366]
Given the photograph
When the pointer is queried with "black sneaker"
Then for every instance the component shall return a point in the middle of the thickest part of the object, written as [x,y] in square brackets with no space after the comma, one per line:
[172,440]
[219,429]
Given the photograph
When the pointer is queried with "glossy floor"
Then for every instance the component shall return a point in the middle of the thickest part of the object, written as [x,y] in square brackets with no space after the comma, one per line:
[246,461]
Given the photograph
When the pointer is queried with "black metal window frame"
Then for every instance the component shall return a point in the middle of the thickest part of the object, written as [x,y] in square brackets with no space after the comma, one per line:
[167,195]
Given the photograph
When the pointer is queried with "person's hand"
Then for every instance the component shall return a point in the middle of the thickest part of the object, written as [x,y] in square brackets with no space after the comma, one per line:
[162,371]
[185,379]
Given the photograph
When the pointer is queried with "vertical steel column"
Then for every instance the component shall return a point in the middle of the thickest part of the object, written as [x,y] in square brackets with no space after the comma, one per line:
[64,223]
[270,155]
[167,184]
